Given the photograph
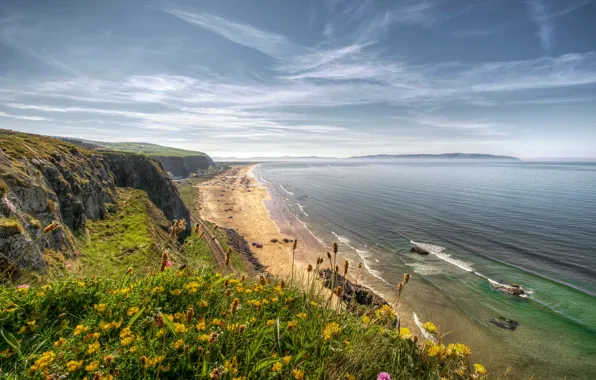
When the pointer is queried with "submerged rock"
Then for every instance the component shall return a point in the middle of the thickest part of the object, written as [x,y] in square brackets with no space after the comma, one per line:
[419,250]
[504,323]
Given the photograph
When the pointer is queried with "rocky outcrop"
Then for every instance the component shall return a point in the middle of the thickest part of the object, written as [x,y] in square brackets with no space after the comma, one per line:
[239,244]
[144,173]
[182,167]
[352,293]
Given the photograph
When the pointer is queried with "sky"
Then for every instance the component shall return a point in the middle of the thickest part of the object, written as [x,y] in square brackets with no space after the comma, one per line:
[303,78]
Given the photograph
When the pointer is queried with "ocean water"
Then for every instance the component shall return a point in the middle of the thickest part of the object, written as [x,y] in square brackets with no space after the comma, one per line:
[532,224]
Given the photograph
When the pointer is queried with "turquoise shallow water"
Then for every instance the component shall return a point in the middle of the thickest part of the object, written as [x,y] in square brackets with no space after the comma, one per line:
[532,224]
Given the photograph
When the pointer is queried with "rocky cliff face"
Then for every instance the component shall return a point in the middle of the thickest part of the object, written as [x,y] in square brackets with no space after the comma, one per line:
[43,179]
[184,166]
[140,172]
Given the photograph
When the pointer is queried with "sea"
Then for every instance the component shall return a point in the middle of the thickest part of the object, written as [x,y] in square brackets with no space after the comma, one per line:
[484,223]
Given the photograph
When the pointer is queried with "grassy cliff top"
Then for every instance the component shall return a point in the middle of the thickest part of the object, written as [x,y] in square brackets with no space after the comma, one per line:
[149,149]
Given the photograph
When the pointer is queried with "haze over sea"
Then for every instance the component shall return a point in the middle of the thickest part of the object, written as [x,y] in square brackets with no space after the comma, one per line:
[514,222]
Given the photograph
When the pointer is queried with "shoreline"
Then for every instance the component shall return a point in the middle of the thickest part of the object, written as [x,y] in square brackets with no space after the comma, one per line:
[239,200]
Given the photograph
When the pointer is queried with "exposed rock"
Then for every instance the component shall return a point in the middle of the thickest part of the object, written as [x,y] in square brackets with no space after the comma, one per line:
[351,291]
[419,250]
[239,244]
[182,167]
[144,173]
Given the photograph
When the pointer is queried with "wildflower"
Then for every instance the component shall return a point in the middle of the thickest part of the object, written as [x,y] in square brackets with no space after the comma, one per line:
[253,320]
[218,322]
[46,288]
[292,325]
[215,374]
[298,374]
[93,366]
[383,376]
[405,333]
[79,329]
[67,264]
[93,347]
[430,327]
[231,366]
[44,361]
[302,316]
[101,307]
[179,328]
[287,359]
[313,303]
[479,368]
[277,367]
[179,343]
[458,349]
[59,342]
[234,306]
[435,350]
[176,292]
[169,264]
[108,359]
[270,322]
[274,299]
[203,338]
[132,311]
[213,337]
[73,365]
[201,325]
[159,321]
[203,303]
[132,349]
[125,332]
[81,284]
[190,312]
[331,330]
[385,314]
[23,288]
[350,377]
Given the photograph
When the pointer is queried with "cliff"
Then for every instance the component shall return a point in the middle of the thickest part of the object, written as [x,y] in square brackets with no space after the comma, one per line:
[184,166]
[43,179]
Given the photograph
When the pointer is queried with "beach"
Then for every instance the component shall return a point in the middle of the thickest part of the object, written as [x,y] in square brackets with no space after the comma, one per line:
[236,200]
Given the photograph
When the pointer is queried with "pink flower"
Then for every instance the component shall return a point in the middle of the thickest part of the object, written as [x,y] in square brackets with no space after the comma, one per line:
[383,376]
[77,253]
[67,263]
[23,286]
[169,264]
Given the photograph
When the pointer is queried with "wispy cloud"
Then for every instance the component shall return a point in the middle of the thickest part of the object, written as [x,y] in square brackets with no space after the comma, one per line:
[20,117]
[539,13]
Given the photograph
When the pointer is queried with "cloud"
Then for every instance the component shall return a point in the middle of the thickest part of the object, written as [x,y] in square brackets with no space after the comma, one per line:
[538,12]
[20,117]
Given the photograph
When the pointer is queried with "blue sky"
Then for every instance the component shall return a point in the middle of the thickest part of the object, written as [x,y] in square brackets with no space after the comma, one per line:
[329,77]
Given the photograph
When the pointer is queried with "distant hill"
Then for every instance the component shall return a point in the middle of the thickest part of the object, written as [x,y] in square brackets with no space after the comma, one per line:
[269,159]
[474,156]
[144,148]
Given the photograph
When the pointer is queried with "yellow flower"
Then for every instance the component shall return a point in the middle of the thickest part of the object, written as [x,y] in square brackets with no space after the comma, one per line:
[292,325]
[430,327]
[253,320]
[101,307]
[80,329]
[125,332]
[217,322]
[201,325]
[60,342]
[479,368]
[179,343]
[105,325]
[176,292]
[158,290]
[81,284]
[94,335]
[458,349]
[133,349]
[93,366]
[203,303]
[270,322]
[298,374]
[313,304]
[385,314]
[331,330]
[274,299]
[365,319]
[287,359]
[179,328]
[203,338]
[405,333]
[44,361]
[231,366]
[45,288]
[93,347]
[277,367]
[129,340]
[73,365]
[132,311]
[435,350]
[302,316]
[350,377]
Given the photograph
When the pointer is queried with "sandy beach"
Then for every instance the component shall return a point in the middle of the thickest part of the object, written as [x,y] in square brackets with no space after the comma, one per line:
[236,200]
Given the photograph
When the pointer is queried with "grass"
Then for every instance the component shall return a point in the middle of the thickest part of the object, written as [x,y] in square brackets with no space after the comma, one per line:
[149,149]
[196,323]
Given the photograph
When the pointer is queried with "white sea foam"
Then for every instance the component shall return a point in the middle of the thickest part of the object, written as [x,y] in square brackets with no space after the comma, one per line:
[437,250]
[301,208]
[284,189]
[425,333]
[424,269]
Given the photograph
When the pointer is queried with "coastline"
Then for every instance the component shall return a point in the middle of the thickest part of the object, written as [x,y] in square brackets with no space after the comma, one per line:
[238,200]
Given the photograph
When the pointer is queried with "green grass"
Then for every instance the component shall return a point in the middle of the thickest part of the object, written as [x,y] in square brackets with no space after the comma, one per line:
[149,149]
[183,324]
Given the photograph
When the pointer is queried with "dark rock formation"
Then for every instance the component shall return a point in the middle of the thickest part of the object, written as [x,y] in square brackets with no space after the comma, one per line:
[144,173]
[504,323]
[239,244]
[182,167]
[419,250]
[352,293]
